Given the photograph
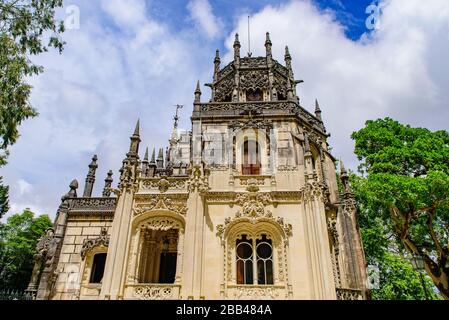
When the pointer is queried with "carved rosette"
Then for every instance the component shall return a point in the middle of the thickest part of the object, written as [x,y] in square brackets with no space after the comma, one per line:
[90,244]
[156,292]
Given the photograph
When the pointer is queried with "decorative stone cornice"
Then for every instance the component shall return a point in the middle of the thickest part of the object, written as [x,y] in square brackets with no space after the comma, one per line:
[90,244]
[163,184]
[93,204]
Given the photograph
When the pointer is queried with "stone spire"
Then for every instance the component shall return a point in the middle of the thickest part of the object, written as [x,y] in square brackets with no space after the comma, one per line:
[344,177]
[268,45]
[133,153]
[145,164]
[107,185]
[152,165]
[236,49]
[160,159]
[216,65]
[90,179]
[288,61]
[197,93]
[318,110]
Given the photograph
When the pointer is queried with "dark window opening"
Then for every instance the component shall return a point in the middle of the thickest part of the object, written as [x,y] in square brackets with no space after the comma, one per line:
[251,158]
[254,95]
[244,257]
[167,269]
[96,275]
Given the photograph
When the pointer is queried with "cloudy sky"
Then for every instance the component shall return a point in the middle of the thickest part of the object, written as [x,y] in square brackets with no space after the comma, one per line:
[136,59]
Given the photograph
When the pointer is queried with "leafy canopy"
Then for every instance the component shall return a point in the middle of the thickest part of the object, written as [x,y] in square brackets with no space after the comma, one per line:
[407,187]
[18,239]
[27,28]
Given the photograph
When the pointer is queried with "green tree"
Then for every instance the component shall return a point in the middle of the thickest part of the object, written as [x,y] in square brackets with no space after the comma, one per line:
[397,278]
[4,206]
[407,189]
[18,239]
[27,28]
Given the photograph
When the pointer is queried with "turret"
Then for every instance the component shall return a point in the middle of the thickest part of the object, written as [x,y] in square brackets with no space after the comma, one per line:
[197,93]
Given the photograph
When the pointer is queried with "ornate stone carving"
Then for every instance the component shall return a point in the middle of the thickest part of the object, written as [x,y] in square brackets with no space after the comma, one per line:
[257,293]
[349,294]
[156,292]
[198,180]
[172,203]
[313,190]
[163,184]
[93,204]
[254,79]
[89,244]
[251,124]
[162,224]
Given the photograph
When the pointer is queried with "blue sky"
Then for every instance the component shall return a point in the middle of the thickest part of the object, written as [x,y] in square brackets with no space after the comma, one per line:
[136,59]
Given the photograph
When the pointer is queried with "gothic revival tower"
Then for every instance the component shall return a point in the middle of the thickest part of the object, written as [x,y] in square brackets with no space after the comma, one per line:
[244,206]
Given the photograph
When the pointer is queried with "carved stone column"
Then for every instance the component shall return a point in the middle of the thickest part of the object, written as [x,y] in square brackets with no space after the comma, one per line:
[180,257]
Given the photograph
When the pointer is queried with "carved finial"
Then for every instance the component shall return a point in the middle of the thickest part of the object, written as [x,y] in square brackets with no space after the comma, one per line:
[160,159]
[137,129]
[72,192]
[344,177]
[145,164]
[236,49]
[268,46]
[153,157]
[198,93]
[90,178]
[287,55]
[318,110]
[133,153]
[107,185]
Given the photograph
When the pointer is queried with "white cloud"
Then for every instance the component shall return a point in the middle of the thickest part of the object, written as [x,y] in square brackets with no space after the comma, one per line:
[90,97]
[201,13]
[24,187]
[400,71]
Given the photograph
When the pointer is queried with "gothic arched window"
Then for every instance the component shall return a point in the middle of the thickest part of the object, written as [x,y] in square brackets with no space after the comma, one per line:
[96,274]
[251,158]
[254,257]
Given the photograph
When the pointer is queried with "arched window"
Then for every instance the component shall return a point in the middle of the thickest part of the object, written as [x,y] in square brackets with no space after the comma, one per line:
[96,274]
[244,252]
[254,257]
[256,95]
[264,251]
[251,158]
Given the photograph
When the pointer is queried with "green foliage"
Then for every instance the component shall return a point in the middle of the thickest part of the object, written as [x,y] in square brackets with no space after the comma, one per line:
[406,192]
[27,28]
[397,278]
[18,239]
[4,206]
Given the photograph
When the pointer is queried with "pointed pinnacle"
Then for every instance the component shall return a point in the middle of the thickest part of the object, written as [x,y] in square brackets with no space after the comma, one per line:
[236,39]
[74,184]
[267,38]
[161,153]
[198,90]
[109,174]
[317,106]
[287,53]
[137,129]
[153,156]
[94,160]
[145,158]
[342,168]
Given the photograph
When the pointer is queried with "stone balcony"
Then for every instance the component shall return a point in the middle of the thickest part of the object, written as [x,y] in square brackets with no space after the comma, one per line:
[152,291]
[349,294]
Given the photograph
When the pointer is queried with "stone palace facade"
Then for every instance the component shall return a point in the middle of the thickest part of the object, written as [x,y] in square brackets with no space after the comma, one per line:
[244,206]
